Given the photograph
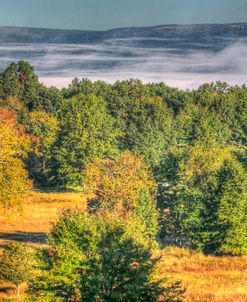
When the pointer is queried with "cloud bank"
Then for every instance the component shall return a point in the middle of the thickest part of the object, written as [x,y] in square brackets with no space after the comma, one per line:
[151,60]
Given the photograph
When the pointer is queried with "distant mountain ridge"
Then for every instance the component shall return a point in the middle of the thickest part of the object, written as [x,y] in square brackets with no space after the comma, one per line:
[182,55]
[199,32]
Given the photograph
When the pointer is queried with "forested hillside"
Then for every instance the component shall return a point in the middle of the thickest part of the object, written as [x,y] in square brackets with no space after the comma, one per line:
[166,167]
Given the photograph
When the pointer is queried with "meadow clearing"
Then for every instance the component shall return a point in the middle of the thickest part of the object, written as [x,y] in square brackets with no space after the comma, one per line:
[207,278]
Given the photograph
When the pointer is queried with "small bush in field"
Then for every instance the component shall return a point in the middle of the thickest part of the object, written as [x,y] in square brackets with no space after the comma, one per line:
[17,264]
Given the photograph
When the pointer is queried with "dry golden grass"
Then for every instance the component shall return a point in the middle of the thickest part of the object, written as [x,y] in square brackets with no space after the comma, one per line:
[34,220]
[8,292]
[207,278]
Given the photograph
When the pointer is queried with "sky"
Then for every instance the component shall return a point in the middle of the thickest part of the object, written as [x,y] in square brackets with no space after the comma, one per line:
[107,14]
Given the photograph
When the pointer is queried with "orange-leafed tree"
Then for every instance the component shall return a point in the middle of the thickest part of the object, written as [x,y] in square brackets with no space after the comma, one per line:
[14,145]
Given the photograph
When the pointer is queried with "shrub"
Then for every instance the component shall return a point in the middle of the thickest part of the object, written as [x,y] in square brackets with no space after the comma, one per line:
[96,259]
[17,264]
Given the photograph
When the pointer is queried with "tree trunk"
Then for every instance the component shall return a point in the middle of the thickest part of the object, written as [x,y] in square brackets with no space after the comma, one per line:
[18,290]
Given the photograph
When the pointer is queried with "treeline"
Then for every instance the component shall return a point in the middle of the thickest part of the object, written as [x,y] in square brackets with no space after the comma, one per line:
[192,145]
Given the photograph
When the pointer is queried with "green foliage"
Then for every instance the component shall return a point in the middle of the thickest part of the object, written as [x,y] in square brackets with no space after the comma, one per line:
[17,264]
[29,85]
[205,206]
[174,98]
[86,87]
[44,127]
[20,80]
[230,232]
[146,124]
[187,137]
[86,131]
[49,100]
[9,82]
[96,259]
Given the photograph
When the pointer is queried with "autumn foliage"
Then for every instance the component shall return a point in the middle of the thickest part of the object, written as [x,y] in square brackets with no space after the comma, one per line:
[119,183]
[124,185]
[14,144]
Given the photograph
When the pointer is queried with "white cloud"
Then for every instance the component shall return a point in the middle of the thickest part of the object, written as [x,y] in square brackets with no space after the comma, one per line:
[117,59]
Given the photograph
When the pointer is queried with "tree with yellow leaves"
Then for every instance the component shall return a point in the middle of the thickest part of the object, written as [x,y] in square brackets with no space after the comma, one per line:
[14,145]
[203,160]
[123,185]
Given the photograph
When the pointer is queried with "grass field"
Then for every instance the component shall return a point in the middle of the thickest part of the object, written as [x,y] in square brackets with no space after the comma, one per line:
[36,216]
[207,278]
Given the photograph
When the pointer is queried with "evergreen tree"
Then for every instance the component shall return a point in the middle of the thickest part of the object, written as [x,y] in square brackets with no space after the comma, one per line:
[97,259]
[146,124]
[86,131]
[231,211]
[44,127]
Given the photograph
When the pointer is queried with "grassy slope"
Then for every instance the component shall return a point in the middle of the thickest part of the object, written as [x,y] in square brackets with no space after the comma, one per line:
[207,278]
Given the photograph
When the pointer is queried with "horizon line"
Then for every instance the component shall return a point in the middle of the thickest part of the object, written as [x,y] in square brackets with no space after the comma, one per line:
[125,27]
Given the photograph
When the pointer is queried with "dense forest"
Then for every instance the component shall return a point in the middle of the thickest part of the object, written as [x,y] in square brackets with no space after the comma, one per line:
[166,167]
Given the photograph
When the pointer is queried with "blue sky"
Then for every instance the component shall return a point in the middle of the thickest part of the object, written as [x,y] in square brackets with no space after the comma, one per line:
[106,14]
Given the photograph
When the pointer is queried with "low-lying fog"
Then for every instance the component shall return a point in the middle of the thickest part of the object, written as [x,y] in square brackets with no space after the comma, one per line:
[151,60]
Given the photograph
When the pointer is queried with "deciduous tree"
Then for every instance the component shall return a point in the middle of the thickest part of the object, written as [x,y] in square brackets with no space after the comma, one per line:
[124,184]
